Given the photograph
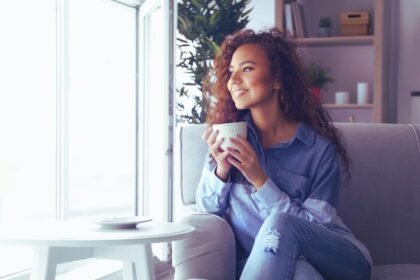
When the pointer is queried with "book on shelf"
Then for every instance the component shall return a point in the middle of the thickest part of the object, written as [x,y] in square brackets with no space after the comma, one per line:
[302,20]
[288,19]
[298,23]
[296,19]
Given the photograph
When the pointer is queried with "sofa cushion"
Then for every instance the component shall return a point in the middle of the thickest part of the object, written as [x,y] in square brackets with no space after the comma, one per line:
[396,272]
[204,253]
[190,152]
[380,204]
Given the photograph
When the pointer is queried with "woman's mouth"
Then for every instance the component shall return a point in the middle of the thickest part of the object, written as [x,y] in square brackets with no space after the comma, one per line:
[237,93]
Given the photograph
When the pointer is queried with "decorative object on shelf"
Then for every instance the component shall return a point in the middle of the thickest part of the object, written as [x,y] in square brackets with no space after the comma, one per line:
[324,27]
[342,97]
[317,76]
[354,24]
[415,107]
[362,93]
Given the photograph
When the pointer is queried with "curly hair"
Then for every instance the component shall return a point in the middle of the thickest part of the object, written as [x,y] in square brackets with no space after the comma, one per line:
[296,102]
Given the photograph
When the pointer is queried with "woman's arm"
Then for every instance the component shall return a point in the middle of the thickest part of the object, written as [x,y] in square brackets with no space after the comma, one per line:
[319,206]
[212,193]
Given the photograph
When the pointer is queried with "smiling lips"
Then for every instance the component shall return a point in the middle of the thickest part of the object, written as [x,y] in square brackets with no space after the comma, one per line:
[238,92]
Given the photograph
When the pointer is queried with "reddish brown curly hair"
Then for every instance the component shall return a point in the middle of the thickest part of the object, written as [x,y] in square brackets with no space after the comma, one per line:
[296,102]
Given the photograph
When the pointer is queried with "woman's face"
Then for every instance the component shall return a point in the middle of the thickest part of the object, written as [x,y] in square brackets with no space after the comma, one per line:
[251,82]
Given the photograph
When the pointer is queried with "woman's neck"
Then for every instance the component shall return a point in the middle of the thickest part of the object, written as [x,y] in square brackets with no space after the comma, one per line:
[273,127]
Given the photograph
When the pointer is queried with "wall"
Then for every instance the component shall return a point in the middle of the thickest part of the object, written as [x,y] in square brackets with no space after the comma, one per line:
[404,66]
[406,42]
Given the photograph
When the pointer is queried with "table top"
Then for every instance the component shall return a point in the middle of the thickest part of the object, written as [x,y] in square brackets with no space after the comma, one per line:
[82,234]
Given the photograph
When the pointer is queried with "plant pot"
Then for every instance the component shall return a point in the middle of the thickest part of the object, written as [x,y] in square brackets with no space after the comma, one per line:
[316,93]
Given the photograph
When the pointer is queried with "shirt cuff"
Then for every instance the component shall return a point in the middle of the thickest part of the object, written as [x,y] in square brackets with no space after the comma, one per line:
[269,194]
[218,187]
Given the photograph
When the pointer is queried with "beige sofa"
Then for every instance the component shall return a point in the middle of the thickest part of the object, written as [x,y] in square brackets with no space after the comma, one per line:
[381,205]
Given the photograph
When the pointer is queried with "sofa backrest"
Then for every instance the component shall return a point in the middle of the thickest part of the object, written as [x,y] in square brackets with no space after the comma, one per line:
[381,201]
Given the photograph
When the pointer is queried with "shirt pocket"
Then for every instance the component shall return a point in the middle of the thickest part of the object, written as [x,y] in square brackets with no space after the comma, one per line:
[294,185]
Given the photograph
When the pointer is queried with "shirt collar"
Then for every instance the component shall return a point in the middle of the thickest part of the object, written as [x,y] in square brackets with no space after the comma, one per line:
[304,133]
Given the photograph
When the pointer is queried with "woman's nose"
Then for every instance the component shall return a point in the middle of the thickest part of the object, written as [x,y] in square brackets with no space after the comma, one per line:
[234,77]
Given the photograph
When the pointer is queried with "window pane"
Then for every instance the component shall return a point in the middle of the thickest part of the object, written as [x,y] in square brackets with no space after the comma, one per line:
[101,120]
[156,118]
[27,118]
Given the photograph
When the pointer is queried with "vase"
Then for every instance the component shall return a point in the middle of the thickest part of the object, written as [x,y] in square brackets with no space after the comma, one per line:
[324,31]
[316,93]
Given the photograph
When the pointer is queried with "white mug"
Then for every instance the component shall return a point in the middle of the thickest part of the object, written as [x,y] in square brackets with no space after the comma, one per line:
[230,130]
[342,97]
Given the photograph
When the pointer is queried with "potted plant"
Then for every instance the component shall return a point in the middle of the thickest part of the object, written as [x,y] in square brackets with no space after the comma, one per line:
[317,77]
[324,27]
[202,26]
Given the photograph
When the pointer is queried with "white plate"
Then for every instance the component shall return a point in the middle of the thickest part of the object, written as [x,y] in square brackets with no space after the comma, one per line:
[121,222]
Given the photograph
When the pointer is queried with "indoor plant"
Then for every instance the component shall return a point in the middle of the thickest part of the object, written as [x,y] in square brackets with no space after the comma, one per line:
[317,77]
[202,26]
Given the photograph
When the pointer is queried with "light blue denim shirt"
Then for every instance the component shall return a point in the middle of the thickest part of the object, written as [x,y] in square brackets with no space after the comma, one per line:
[303,180]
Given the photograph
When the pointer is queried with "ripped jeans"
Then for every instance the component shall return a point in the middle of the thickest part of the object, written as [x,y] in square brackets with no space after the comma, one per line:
[284,238]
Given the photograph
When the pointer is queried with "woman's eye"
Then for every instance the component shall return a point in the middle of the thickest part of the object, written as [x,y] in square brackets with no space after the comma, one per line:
[246,69]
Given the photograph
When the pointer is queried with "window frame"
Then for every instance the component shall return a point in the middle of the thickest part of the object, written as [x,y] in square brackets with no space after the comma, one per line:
[62,90]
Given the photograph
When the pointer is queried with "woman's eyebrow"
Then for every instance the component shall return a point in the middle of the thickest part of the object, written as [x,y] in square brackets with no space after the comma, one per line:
[244,62]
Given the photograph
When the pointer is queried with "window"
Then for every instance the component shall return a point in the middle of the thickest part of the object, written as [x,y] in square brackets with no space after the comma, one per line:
[68,113]
[27,118]
[155,119]
[100,109]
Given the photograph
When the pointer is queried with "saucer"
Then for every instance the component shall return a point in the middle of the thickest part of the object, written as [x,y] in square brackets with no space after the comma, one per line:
[121,222]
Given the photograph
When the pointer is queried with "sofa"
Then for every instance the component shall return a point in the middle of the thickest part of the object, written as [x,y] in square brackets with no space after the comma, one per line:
[380,203]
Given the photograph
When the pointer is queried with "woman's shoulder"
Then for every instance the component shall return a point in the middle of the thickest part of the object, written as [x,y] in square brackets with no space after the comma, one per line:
[318,141]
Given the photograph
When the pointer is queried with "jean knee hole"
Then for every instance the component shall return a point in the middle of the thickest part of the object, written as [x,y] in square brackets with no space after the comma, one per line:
[271,241]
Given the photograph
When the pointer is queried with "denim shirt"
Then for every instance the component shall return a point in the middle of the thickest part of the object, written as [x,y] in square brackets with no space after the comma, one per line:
[303,180]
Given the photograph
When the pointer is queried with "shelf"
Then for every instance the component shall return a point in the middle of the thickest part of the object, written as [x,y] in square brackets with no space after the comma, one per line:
[374,48]
[347,106]
[334,41]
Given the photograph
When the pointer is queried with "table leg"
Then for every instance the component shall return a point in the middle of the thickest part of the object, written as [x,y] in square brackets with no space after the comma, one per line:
[144,262]
[137,260]
[46,260]
[129,271]
[44,265]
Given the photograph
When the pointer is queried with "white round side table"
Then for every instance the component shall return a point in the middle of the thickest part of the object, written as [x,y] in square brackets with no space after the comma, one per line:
[64,241]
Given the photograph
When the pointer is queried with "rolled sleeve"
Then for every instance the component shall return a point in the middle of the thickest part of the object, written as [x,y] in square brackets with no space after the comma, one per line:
[269,196]
[212,193]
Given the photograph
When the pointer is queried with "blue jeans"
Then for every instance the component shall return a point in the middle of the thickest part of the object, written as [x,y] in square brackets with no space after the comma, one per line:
[283,239]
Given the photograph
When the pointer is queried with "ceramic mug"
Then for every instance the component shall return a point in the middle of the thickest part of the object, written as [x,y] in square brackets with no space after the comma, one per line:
[230,130]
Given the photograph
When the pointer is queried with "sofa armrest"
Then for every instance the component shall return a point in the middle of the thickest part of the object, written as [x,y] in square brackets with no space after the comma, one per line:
[208,253]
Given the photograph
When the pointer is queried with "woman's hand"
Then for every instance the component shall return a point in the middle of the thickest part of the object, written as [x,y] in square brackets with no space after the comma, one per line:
[246,160]
[220,156]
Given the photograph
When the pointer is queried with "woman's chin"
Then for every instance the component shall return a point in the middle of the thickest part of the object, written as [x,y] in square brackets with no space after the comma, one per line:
[240,105]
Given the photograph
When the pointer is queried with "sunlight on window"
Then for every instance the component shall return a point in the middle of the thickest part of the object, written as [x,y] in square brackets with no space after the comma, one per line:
[156,126]
[27,118]
[102,108]
[99,120]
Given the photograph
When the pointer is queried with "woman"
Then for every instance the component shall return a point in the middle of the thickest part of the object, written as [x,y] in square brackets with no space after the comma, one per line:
[278,188]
